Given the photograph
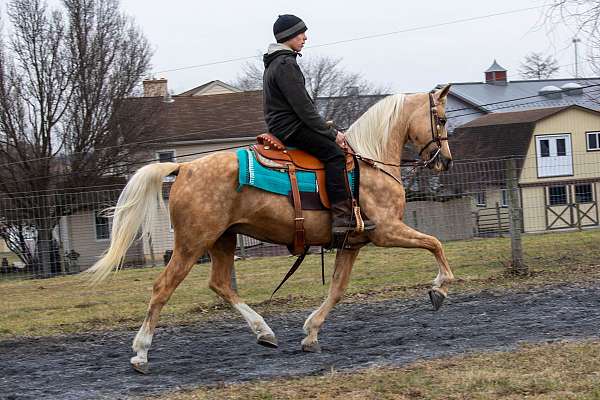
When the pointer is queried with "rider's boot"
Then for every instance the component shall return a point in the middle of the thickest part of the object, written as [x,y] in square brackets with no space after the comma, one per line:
[344,222]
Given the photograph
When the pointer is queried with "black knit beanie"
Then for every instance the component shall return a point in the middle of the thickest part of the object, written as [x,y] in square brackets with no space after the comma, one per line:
[287,26]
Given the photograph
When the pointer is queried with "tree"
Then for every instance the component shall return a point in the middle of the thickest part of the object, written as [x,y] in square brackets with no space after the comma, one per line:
[582,16]
[536,66]
[63,122]
[340,95]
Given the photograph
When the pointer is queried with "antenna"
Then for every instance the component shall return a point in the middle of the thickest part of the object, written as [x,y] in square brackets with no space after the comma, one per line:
[575,41]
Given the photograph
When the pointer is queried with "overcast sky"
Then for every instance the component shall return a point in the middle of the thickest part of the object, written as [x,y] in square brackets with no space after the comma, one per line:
[185,33]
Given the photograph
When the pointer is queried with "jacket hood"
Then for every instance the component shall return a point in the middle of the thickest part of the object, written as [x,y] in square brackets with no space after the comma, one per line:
[275,50]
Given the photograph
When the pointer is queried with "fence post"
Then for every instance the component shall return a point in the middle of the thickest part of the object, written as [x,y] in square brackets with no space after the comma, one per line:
[518,267]
[234,280]
[240,239]
[499,219]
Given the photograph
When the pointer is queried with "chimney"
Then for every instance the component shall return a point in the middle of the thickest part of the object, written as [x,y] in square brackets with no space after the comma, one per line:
[496,75]
[155,87]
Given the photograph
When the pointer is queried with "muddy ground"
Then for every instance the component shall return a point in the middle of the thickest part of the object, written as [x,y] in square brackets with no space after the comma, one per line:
[393,332]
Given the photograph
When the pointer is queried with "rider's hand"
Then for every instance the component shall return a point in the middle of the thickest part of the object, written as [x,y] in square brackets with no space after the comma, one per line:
[340,139]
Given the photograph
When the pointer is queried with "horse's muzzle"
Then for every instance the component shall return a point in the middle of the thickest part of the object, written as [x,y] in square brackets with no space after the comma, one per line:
[441,163]
[446,162]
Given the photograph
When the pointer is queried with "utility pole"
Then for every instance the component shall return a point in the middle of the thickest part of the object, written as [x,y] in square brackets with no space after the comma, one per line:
[575,41]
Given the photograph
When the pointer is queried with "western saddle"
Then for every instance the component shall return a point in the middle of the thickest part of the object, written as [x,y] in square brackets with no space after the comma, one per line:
[272,153]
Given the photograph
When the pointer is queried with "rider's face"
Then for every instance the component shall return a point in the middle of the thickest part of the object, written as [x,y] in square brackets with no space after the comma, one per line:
[297,42]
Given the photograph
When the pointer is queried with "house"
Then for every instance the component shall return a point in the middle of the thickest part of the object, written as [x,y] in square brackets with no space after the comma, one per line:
[188,126]
[209,88]
[557,164]
[468,101]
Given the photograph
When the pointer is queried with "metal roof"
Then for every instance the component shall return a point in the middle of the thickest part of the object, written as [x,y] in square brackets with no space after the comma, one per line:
[500,98]
[495,67]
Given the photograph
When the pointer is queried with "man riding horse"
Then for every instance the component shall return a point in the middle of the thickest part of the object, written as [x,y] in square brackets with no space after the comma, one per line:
[291,115]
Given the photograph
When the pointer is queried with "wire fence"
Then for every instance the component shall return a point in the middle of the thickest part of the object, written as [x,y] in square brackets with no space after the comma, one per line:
[65,232]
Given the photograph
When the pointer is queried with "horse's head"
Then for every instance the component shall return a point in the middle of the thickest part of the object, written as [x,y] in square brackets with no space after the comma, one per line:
[427,130]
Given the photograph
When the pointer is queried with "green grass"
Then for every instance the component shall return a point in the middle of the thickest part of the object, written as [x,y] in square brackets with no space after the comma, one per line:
[67,304]
[550,371]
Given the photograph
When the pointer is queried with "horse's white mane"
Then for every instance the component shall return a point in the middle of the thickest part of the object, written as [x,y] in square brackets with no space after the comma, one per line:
[368,136]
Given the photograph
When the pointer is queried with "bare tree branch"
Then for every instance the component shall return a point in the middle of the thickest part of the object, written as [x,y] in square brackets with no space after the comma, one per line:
[342,96]
[536,66]
[63,76]
[583,17]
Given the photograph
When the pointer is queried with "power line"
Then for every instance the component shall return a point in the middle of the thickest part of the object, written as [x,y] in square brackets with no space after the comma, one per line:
[356,39]
[153,140]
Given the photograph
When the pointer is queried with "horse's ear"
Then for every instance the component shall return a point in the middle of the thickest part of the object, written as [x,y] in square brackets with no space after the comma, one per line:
[443,92]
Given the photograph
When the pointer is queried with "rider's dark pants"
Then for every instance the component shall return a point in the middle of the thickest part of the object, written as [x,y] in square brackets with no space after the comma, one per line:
[329,153]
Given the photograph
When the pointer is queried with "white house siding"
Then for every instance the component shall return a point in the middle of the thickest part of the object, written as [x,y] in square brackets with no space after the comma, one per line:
[78,233]
[162,237]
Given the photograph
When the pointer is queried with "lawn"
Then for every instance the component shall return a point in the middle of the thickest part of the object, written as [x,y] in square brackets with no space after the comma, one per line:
[68,304]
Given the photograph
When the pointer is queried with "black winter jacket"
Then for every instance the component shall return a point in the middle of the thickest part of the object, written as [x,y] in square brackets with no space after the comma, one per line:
[287,105]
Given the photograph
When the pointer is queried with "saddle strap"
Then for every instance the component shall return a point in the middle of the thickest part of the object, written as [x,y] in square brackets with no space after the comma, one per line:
[293,269]
[359,225]
[298,246]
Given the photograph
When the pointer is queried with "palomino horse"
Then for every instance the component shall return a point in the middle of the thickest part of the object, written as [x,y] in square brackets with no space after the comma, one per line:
[207,212]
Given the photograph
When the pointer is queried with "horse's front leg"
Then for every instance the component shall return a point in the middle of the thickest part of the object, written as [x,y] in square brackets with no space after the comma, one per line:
[344,261]
[398,234]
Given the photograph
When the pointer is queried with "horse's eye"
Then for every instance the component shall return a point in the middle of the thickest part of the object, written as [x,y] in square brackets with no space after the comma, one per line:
[443,121]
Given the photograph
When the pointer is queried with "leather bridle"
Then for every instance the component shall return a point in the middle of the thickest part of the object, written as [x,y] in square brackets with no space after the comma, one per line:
[436,123]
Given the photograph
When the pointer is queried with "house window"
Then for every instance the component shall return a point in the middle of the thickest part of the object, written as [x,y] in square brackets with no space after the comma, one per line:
[583,193]
[545,148]
[554,155]
[557,195]
[593,141]
[504,198]
[561,147]
[479,199]
[166,156]
[101,225]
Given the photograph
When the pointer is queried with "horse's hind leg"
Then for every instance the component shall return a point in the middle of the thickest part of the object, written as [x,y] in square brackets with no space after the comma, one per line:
[222,256]
[178,268]
[344,261]
[400,235]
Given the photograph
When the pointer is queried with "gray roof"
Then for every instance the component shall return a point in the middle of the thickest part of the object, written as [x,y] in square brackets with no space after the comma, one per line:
[495,67]
[500,98]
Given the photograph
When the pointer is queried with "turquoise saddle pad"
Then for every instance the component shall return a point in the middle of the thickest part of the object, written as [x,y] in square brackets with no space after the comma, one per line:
[252,173]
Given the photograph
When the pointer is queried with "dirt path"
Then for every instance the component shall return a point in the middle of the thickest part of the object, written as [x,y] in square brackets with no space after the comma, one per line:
[358,335]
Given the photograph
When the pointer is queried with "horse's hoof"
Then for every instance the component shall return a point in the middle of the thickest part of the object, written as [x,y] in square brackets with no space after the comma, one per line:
[437,298]
[141,367]
[267,340]
[311,348]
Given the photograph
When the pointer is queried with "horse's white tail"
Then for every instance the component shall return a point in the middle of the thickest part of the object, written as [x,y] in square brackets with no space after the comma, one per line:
[136,207]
